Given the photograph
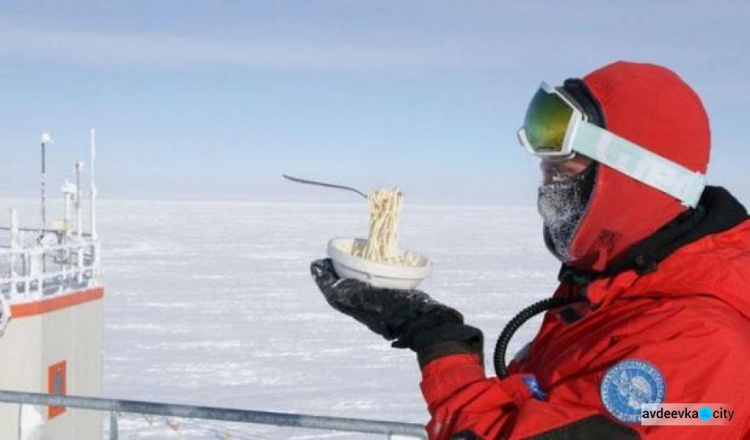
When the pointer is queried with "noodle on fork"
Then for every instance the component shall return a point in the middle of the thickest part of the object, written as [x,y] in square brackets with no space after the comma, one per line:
[382,245]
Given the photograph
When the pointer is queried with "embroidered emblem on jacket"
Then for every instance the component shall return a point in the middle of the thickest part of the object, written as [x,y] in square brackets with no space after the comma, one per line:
[629,384]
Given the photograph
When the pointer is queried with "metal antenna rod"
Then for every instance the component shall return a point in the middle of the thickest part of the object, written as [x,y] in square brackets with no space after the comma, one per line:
[46,139]
[92,186]
[79,219]
[329,185]
[43,225]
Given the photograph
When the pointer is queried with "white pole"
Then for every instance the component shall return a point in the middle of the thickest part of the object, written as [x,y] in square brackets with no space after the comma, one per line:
[79,219]
[14,245]
[67,196]
[93,186]
[45,139]
[94,235]
[42,227]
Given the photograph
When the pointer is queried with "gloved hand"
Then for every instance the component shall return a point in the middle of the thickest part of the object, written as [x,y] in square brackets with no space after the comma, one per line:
[411,317]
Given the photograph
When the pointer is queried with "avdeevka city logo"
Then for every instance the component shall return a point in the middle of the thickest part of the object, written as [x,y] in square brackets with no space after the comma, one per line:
[629,384]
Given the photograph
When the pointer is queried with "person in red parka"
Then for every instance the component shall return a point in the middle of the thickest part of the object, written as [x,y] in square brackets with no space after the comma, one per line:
[653,305]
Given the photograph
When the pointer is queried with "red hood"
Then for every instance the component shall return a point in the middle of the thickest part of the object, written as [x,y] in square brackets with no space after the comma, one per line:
[654,108]
[716,265]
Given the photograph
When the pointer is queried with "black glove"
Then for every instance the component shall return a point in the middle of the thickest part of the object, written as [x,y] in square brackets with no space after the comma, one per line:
[411,317]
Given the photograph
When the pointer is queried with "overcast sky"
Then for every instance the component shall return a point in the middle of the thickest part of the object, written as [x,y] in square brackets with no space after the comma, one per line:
[214,100]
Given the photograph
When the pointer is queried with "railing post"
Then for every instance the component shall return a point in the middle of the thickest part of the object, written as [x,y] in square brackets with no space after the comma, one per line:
[113,425]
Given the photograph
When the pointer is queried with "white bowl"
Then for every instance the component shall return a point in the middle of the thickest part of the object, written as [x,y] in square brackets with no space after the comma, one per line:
[374,273]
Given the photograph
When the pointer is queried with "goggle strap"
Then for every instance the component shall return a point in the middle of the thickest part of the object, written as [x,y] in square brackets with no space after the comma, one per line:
[640,164]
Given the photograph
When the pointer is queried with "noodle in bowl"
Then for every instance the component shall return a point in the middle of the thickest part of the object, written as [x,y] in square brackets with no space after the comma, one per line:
[347,264]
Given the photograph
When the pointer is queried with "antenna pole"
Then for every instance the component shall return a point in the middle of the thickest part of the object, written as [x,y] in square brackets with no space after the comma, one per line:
[79,220]
[45,139]
[95,259]
[43,184]
[93,186]
[14,245]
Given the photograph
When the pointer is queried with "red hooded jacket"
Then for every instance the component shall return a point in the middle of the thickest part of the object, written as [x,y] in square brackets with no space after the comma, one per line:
[671,324]
[690,319]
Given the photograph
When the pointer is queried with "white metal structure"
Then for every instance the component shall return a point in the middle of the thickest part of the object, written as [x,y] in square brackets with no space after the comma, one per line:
[51,324]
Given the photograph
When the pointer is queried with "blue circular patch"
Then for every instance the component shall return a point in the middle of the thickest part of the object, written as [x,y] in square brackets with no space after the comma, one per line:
[629,384]
[705,414]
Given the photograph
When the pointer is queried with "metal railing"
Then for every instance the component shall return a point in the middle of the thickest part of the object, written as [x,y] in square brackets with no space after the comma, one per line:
[36,263]
[29,273]
[115,406]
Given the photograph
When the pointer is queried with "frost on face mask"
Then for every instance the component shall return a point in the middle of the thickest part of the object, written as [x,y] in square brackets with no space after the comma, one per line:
[562,204]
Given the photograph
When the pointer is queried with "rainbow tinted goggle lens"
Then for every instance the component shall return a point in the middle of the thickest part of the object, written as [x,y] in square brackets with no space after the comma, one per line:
[555,127]
[550,121]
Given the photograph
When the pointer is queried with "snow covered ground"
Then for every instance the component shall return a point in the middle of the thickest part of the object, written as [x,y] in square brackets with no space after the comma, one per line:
[211,303]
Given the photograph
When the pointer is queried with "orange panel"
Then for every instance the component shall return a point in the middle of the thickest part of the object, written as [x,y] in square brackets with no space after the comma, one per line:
[56,384]
[55,303]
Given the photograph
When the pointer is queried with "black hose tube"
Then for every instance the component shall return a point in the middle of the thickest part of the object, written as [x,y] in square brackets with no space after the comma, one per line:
[524,315]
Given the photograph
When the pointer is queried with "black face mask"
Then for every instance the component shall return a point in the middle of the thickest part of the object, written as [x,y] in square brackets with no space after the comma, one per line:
[562,205]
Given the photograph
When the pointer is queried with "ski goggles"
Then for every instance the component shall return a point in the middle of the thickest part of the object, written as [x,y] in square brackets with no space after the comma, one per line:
[556,128]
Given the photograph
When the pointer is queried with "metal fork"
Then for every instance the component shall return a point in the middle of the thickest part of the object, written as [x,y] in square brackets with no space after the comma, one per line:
[329,185]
